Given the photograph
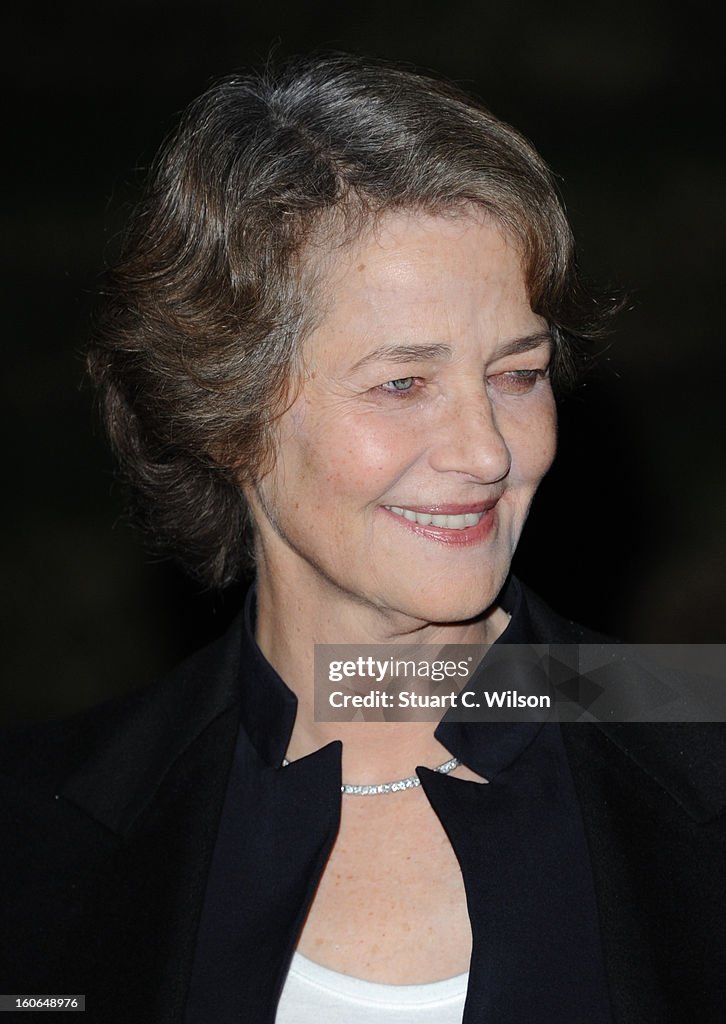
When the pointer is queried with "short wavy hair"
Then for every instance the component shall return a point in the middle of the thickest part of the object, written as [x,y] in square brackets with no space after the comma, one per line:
[196,350]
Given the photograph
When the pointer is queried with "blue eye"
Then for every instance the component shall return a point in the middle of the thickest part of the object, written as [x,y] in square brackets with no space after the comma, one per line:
[517,382]
[400,384]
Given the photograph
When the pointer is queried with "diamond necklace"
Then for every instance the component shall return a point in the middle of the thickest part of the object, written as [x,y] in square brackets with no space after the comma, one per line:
[392,787]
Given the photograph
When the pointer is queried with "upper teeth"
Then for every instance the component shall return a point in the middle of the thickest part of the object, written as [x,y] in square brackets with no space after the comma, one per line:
[450,522]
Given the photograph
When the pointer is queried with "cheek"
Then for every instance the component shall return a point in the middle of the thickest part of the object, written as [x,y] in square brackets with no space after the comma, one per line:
[534,443]
[354,456]
[544,454]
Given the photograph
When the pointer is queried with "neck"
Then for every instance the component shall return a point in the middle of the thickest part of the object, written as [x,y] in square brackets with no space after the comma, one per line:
[290,622]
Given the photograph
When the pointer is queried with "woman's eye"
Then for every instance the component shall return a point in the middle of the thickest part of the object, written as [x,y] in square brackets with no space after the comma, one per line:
[400,384]
[517,382]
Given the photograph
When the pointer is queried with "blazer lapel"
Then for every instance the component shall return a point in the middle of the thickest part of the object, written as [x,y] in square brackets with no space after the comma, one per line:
[154,790]
[277,829]
[652,799]
[656,848]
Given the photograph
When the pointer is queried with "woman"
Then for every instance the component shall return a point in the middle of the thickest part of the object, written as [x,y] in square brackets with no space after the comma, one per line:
[330,346]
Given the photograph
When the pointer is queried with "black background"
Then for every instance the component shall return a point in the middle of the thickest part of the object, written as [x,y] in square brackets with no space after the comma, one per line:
[625,102]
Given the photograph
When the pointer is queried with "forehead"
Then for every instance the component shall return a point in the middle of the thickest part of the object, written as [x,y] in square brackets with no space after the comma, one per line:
[412,269]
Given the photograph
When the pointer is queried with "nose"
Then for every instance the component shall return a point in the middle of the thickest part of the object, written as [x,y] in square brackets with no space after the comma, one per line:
[468,440]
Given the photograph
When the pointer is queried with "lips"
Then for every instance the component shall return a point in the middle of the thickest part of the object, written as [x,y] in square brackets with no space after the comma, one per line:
[450,523]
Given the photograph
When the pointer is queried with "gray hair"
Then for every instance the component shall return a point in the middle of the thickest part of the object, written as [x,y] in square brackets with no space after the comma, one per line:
[196,351]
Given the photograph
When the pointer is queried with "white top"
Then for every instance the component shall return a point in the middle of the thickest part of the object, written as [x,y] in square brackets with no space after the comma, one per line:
[316,995]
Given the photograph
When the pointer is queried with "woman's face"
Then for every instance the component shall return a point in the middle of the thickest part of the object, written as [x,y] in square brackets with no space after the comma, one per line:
[408,461]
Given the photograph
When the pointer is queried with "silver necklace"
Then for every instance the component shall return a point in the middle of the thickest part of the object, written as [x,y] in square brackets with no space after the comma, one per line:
[391,787]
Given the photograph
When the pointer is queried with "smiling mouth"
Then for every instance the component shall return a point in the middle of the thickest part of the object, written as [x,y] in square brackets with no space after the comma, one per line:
[462,521]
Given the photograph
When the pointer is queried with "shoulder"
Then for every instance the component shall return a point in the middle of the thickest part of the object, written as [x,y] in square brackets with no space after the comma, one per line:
[549,627]
[685,760]
[159,715]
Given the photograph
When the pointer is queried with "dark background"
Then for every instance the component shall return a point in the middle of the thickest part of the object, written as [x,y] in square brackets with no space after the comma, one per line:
[625,102]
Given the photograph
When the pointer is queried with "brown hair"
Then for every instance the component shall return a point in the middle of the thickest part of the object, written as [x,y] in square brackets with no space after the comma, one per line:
[195,351]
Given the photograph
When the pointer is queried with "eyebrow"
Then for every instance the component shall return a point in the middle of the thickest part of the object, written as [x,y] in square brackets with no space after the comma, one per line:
[432,352]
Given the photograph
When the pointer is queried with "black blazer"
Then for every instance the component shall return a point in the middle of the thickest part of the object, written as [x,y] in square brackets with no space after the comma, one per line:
[109,822]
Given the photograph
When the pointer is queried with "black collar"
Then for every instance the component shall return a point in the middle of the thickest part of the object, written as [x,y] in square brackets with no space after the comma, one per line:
[268,705]
[112,759]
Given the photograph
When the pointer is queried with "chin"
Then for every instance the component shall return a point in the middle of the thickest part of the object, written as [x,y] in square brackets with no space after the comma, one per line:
[450,603]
